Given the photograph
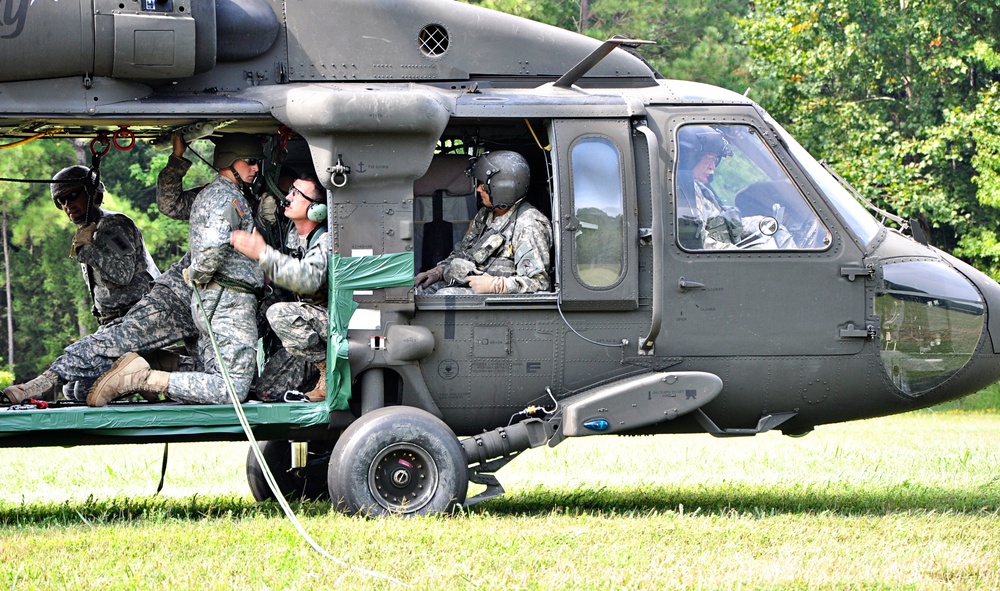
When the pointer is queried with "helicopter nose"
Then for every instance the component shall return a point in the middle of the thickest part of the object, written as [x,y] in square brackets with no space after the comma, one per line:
[937,338]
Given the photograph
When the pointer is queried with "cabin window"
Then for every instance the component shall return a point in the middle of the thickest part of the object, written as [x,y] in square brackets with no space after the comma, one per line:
[857,218]
[598,206]
[732,193]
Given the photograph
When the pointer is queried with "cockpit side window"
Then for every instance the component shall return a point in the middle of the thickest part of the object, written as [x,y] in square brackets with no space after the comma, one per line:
[732,193]
[598,206]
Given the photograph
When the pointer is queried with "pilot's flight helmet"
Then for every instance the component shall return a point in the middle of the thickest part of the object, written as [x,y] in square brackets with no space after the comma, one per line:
[697,140]
[505,176]
[70,179]
[236,146]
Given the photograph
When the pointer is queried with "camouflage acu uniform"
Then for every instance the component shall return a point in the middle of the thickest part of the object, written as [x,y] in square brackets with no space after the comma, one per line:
[280,372]
[515,246]
[176,203]
[229,299]
[173,201]
[302,325]
[116,266]
[159,319]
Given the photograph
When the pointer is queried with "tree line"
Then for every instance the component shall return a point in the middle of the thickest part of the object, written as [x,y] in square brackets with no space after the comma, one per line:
[900,97]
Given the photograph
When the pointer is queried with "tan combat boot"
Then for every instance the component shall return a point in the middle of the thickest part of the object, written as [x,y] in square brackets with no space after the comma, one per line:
[318,394]
[131,373]
[39,388]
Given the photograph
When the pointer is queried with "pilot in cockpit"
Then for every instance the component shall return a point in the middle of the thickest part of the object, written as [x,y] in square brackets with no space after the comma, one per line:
[705,222]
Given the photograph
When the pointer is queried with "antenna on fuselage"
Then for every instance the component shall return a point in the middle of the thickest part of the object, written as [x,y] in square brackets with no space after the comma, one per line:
[586,64]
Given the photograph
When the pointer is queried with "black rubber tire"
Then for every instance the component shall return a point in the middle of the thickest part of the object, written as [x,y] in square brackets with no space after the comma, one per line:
[309,484]
[398,460]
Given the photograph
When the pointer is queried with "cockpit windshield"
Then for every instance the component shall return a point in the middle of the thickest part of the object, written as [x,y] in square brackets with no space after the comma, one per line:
[857,218]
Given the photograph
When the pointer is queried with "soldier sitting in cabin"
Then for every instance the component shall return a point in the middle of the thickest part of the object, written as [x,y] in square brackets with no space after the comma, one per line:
[301,325]
[507,246]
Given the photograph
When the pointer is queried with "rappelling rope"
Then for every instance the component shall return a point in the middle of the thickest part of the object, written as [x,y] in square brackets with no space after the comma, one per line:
[268,476]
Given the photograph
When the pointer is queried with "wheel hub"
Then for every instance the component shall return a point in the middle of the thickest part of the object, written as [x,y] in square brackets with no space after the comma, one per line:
[403,477]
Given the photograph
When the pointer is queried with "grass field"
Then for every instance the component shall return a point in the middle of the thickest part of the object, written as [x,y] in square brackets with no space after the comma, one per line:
[906,502]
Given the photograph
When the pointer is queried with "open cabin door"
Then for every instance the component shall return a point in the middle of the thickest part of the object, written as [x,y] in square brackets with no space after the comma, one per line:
[596,229]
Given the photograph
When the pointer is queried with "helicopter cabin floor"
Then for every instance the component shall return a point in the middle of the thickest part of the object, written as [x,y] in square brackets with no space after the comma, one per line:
[146,422]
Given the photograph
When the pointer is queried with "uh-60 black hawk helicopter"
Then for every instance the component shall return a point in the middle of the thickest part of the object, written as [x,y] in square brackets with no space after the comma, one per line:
[754,296]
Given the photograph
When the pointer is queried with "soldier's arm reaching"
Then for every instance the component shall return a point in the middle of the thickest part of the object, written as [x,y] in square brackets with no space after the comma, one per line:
[172,200]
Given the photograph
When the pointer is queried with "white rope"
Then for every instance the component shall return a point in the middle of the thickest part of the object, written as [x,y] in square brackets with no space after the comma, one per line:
[268,476]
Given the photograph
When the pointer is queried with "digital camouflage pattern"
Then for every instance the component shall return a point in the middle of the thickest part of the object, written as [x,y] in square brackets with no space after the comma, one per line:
[159,319]
[304,270]
[116,266]
[301,327]
[163,317]
[171,198]
[232,316]
[175,202]
[228,309]
[219,209]
[515,246]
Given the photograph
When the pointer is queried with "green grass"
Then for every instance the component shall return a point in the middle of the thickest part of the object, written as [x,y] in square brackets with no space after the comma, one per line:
[905,502]
[987,400]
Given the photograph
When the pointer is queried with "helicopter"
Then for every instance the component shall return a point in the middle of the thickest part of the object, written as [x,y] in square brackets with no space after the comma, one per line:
[812,312]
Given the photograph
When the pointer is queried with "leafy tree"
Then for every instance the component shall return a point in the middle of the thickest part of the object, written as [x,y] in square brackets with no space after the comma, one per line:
[900,97]
[695,40]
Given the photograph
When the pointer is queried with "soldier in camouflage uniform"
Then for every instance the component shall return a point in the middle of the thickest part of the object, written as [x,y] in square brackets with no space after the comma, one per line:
[109,247]
[704,220]
[507,247]
[301,325]
[112,255]
[228,284]
[281,372]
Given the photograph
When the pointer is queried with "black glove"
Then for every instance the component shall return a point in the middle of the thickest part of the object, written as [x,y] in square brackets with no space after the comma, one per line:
[427,278]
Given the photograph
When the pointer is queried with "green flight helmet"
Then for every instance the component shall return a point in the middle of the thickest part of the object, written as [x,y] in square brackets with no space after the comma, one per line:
[236,146]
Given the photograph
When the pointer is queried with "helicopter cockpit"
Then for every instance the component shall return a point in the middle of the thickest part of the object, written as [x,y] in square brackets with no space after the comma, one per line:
[732,193]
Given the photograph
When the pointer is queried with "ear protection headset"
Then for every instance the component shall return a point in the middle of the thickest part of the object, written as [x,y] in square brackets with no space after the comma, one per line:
[317,211]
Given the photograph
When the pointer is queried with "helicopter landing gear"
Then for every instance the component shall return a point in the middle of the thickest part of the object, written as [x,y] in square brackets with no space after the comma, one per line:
[296,484]
[398,460]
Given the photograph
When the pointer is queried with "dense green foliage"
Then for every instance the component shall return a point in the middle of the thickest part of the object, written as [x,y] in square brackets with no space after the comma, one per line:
[901,98]
[695,39]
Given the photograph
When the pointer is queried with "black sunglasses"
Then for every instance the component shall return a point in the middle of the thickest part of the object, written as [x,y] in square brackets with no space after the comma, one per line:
[252,161]
[62,200]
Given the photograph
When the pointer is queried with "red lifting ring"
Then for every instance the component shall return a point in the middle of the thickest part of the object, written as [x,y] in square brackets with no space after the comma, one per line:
[123,132]
[285,133]
[102,140]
